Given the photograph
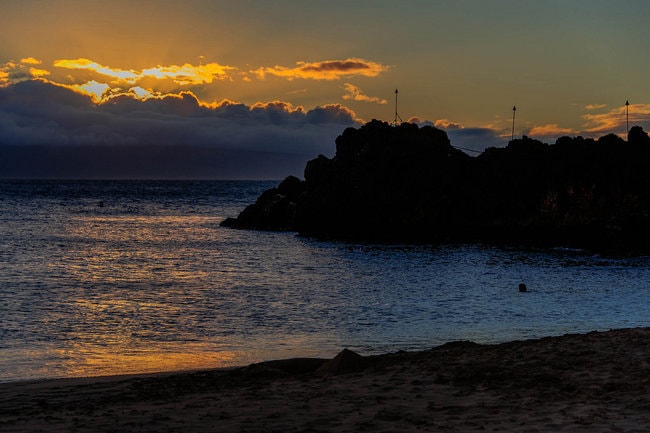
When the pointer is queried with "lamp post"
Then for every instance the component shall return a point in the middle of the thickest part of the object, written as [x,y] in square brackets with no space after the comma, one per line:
[627,116]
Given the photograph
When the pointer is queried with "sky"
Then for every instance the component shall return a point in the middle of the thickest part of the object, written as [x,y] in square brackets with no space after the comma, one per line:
[254,89]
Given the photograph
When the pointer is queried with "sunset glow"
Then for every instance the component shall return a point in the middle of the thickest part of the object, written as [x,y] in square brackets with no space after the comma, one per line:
[280,65]
[92,88]
[30,61]
[102,359]
[189,74]
[35,72]
[354,93]
[128,76]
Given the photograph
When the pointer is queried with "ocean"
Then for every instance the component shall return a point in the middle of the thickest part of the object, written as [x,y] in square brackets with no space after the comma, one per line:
[118,277]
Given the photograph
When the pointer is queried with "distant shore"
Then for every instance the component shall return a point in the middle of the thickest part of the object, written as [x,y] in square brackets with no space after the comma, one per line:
[595,382]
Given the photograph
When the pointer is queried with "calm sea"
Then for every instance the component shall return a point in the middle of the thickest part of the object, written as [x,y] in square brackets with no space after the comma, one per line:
[108,277]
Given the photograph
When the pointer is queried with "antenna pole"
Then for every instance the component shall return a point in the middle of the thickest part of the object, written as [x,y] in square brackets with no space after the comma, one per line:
[627,116]
[396,115]
[514,110]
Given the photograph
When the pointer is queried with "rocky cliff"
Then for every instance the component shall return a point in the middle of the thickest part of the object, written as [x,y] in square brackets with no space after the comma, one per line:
[409,184]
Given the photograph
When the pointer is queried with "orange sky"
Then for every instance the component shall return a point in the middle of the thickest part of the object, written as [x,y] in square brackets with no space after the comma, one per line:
[569,67]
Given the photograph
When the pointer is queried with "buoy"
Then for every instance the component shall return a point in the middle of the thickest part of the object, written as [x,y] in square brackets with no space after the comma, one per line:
[522,287]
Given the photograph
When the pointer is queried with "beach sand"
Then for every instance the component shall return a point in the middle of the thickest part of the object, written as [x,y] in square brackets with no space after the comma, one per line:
[595,382]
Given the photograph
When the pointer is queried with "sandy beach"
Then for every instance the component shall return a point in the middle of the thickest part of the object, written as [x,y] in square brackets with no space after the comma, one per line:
[595,382]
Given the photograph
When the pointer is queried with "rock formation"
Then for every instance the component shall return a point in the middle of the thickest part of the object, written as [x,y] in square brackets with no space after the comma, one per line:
[409,184]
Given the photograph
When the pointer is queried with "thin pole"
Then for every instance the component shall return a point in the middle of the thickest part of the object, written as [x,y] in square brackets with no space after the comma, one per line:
[396,106]
[514,110]
[627,116]
[396,115]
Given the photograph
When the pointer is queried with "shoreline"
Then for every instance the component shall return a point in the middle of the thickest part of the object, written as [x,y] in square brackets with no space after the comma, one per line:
[599,381]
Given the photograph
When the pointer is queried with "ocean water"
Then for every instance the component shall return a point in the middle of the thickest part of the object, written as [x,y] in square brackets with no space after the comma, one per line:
[112,277]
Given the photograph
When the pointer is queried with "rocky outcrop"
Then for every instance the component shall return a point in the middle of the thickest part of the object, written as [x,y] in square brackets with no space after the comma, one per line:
[275,209]
[409,184]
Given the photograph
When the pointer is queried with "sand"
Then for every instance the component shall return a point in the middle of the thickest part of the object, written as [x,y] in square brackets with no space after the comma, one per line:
[595,382]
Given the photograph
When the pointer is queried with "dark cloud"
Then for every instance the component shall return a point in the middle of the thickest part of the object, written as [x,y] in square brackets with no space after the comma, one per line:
[474,140]
[325,70]
[332,113]
[54,131]
[338,65]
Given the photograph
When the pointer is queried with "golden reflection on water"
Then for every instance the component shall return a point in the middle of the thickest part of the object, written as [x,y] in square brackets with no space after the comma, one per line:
[144,285]
[135,294]
[110,360]
[136,248]
[124,273]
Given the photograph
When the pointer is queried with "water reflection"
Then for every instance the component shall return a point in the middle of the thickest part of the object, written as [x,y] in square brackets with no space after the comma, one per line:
[157,285]
[136,249]
[111,358]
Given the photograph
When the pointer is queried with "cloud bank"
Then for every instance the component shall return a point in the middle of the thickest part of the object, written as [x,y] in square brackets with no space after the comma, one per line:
[177,133]
[67,120]
[82,118]
[186,74]
[101,81]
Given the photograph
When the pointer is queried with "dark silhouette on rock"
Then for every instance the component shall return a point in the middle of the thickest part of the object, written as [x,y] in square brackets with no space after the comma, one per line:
[409,184]
[275,209]
[637,137]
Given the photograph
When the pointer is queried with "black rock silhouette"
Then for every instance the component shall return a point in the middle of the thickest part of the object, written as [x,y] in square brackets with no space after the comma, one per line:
[409,184]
